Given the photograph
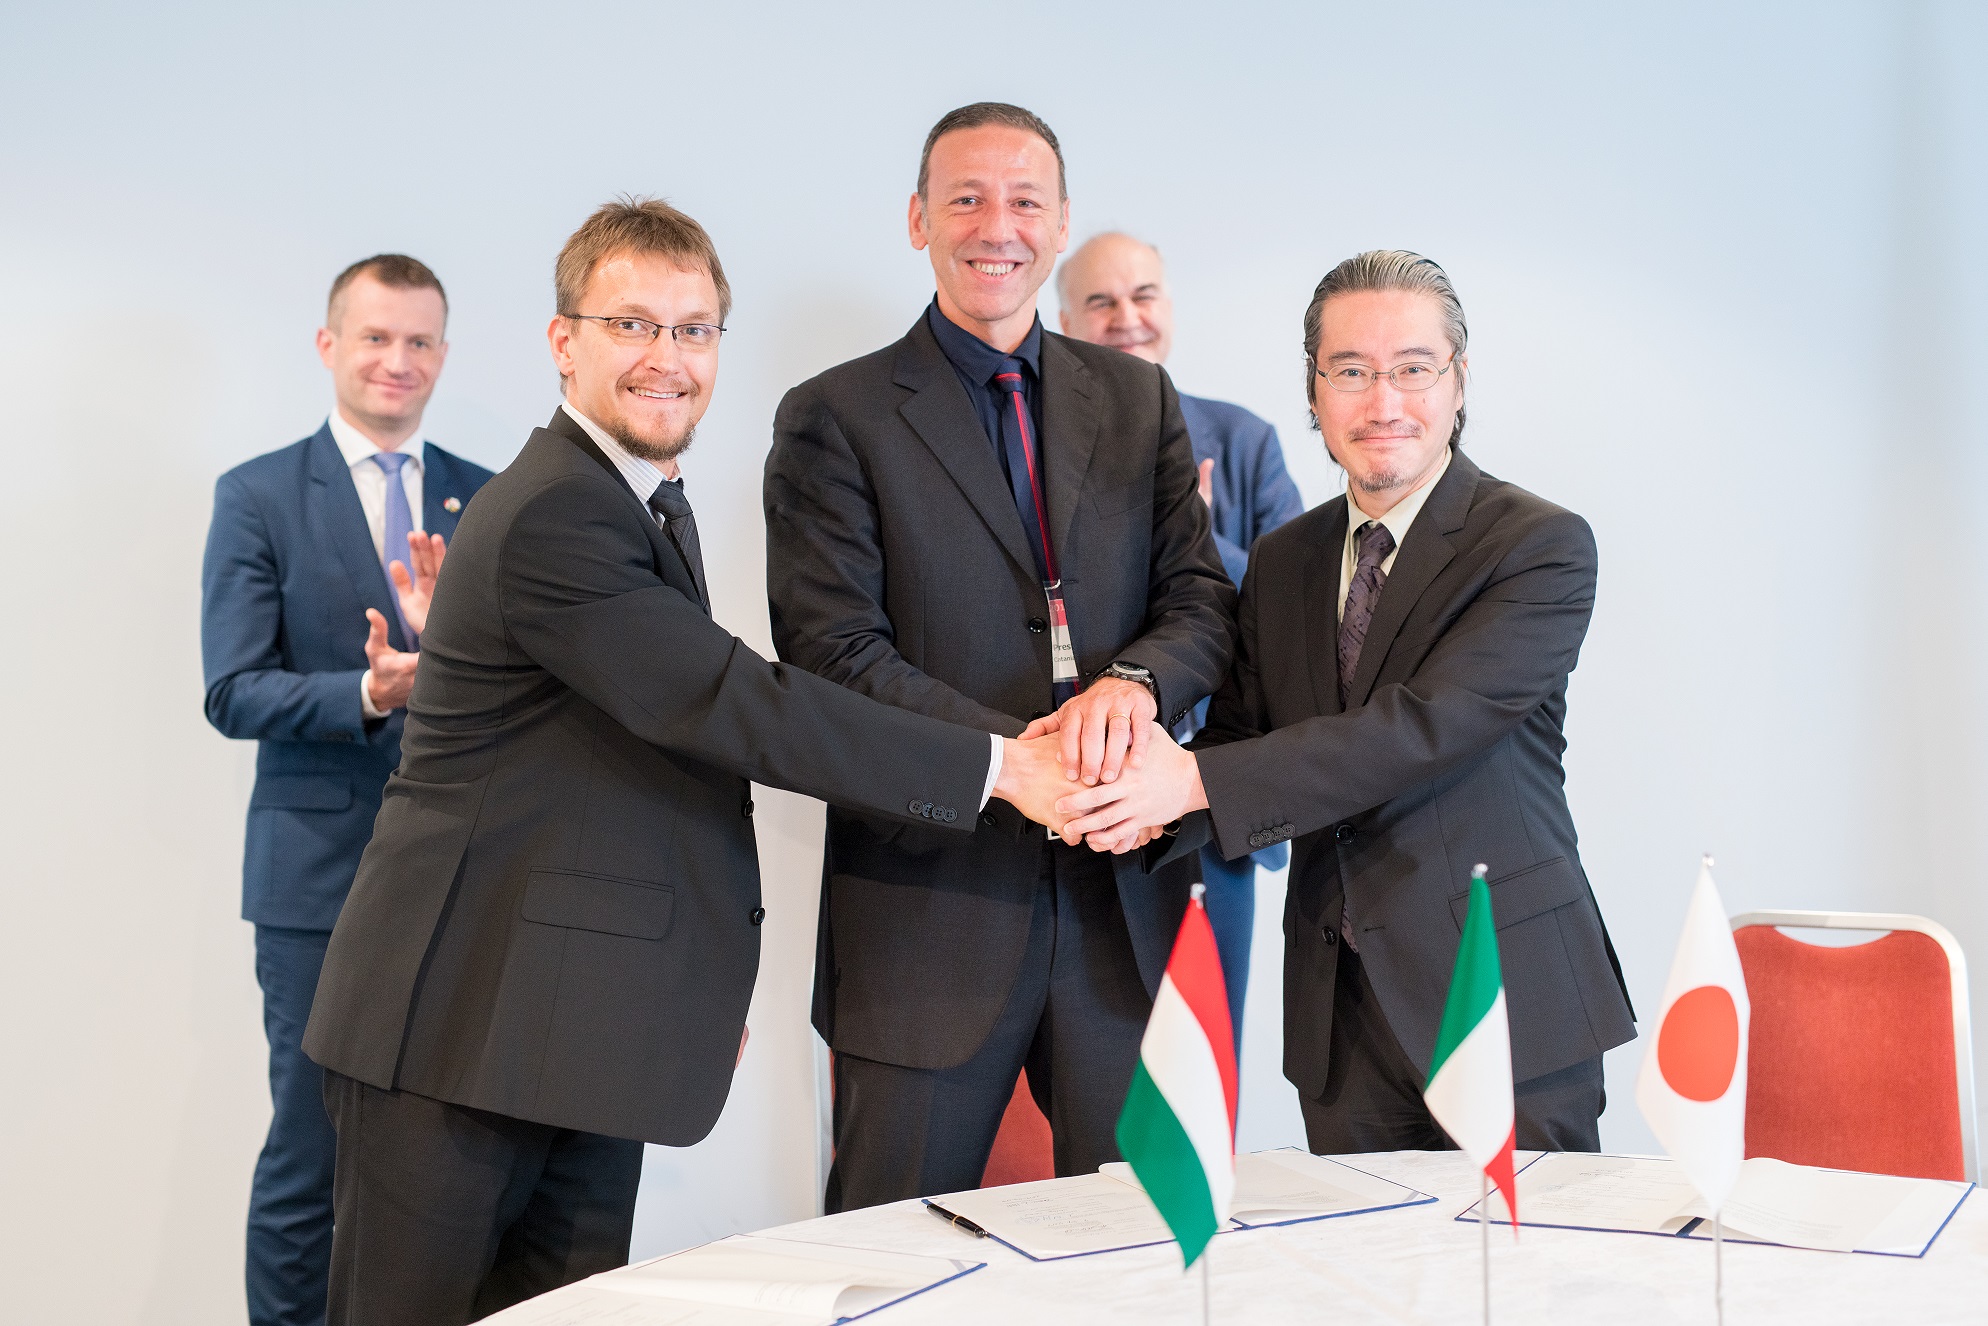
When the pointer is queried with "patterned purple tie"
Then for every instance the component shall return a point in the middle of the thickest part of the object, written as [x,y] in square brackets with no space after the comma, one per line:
[1375,543]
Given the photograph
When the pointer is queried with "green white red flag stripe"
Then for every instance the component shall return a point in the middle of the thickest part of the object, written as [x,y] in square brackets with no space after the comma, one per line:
[1178,1127]
[1692,1088]
[1470,1077]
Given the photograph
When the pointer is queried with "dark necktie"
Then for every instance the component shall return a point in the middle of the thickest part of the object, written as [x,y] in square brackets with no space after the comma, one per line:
[399,524]
[669,502]
[1375,543]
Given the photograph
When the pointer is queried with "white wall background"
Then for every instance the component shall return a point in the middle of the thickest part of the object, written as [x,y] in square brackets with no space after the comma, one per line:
[1723,265]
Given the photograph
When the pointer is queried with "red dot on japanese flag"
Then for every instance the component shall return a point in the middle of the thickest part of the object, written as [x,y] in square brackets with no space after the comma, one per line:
[1698,1045]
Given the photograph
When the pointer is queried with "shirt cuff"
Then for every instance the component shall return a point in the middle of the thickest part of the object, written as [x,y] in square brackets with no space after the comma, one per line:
[366,706]
[993,770]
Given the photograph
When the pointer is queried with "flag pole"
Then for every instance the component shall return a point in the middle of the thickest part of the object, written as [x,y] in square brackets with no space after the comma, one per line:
[1204,1287]
[1718,1267]
[1484,1236]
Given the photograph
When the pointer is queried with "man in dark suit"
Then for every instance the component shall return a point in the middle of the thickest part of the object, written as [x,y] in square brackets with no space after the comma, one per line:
[971,524]
[1113,291]
[309,650]
[1397,708]
[547,956]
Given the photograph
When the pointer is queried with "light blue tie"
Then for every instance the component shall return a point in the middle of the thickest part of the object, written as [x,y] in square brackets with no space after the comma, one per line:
[400,524]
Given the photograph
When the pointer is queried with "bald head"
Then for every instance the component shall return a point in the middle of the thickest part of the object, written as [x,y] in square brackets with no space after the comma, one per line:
[1114,292]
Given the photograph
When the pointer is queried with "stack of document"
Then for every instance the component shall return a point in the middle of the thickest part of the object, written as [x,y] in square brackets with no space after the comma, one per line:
[1107,1211]
[1773,1202]
[746,1280]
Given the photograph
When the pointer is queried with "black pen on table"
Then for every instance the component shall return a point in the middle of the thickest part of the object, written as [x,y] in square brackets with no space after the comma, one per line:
[958,1220]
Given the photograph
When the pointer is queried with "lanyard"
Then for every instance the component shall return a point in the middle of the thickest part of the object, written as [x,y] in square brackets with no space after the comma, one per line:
[1062,653]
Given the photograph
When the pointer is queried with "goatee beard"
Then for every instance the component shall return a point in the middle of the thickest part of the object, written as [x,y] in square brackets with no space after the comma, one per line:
[656,453]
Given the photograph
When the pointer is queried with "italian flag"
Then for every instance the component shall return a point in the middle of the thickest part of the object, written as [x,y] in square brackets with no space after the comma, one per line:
[1470,1078]
[1178,1128]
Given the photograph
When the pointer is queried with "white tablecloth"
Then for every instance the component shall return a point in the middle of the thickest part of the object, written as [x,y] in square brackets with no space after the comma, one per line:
[1418,1264]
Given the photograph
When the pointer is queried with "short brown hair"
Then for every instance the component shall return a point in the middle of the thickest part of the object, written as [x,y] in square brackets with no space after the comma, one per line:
[394,270]
[991,112]
[633,224]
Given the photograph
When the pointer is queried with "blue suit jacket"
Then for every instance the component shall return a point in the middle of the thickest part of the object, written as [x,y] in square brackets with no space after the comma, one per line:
[288,575]
[1253,495]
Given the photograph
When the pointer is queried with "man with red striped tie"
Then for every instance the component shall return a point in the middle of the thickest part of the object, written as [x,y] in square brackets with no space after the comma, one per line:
[990,523]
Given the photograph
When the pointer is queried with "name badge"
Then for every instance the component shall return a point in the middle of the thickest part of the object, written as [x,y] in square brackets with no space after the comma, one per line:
[1062,654]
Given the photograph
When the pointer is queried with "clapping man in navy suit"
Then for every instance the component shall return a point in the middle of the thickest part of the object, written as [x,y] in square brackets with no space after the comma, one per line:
[314,592]
[1114,292]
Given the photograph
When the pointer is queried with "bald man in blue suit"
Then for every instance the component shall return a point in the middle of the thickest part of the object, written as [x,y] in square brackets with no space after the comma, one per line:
[1113,291]
[319,563]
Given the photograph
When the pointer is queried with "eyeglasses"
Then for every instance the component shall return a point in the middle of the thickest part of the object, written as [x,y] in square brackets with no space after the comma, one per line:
[1415,375]
[641,331]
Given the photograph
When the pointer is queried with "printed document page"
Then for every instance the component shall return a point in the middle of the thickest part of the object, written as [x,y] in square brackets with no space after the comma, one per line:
[1286,1185]
[1062,1217]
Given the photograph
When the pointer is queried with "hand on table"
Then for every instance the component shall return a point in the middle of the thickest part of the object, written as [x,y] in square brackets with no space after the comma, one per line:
[1101,730]
[1122,815]
[393,671]
[424,554]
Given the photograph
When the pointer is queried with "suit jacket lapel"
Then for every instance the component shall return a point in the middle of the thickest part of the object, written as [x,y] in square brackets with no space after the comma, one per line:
[1322,571]
[660,543]
[343,521]
[945,420]
[1424,554]
[438,486]
[1070,423]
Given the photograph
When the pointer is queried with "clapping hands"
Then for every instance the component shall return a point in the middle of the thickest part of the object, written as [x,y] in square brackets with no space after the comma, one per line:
[415,590]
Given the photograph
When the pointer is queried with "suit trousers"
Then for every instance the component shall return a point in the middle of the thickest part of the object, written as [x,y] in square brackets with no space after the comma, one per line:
[1073,1019]
[447,1214]
[1373,1092]
[1231,904]
[289,1216]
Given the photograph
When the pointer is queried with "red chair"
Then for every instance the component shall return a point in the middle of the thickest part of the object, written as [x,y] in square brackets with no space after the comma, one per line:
[1860,1056]
[1022,1148]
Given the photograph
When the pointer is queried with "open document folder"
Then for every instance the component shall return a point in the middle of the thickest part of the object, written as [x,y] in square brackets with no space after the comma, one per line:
[1108,1211]
[1798,1206]
[746,1280]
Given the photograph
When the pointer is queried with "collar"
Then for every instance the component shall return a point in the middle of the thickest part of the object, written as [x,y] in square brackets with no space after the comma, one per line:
[641,476]
[357,448]
[974,358]
[1402,514]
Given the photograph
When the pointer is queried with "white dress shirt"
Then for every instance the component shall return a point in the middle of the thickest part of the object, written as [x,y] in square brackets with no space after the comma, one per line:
[371,481]
[1399,517]
[643,477]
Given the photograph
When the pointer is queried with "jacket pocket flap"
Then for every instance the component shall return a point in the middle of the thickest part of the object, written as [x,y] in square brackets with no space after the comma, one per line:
[301,792]
[601,903]
[1524,894]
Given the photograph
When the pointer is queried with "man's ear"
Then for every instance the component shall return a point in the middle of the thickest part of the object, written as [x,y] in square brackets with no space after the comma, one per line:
[325,340]
[915,222]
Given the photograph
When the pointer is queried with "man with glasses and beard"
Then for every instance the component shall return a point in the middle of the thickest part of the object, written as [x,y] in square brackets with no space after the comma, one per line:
[549,950]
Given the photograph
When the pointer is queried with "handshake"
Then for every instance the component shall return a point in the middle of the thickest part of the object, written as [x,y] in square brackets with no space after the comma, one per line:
[1101,770]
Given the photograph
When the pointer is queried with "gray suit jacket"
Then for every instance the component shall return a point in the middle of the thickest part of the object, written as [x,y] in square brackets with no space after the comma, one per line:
[558,916]
[1449,755]
[897,565]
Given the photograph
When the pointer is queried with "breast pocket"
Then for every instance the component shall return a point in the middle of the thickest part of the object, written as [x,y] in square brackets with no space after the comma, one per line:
[604,904]
[1123,499]
[301,792]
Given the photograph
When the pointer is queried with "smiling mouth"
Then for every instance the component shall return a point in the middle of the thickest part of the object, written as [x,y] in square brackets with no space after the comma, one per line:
[992,268]
[648,394]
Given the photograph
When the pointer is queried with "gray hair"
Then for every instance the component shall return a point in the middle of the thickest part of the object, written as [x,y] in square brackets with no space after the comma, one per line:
[1387,269]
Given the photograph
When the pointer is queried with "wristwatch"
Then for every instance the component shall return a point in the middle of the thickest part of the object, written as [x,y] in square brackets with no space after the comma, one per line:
[1134,673]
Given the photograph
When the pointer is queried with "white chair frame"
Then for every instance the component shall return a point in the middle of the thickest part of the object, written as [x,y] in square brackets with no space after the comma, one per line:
[1963,1038]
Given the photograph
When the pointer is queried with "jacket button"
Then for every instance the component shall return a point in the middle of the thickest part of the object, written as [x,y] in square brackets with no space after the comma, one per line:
[1331,935]
[1344,833]
[1038,625]
[987,818]
[756,915]
[913,808]
[746,809]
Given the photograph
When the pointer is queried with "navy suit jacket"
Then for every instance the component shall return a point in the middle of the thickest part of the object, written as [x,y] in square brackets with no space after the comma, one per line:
[1253,495]
[288,576]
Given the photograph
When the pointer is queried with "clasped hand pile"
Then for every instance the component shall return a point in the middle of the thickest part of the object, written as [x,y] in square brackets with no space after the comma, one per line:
[1101,770]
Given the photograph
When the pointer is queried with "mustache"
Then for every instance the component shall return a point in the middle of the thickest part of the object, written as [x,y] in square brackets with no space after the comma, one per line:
[1368,432]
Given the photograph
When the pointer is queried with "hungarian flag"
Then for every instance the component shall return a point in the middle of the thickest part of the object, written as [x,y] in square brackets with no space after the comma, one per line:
[1693,1085]
[1470,1079]
[1178,1128]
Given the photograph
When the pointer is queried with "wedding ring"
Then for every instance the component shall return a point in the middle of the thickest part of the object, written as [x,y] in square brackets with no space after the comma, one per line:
[1126,717]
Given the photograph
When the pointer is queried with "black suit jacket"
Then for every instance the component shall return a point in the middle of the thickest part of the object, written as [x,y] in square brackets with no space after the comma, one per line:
[1449,754]
[557,918]
[897,565]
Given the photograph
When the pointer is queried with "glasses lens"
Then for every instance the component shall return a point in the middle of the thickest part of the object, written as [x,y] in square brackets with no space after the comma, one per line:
[1415,376]
[697,336]
[1348,377]
[630,329]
